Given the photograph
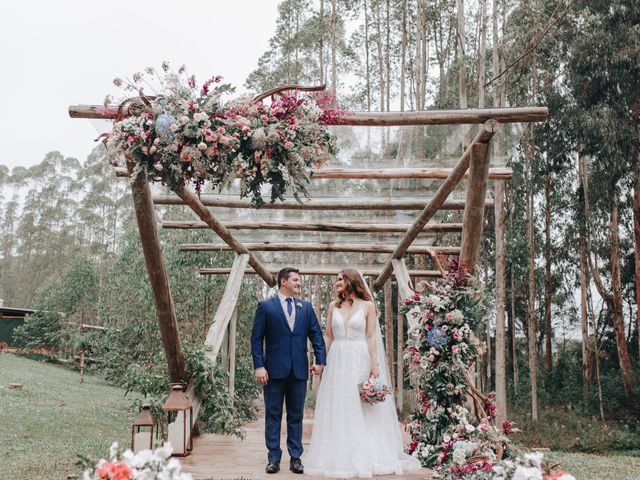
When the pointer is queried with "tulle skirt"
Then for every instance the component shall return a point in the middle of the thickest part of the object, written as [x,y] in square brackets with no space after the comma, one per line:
[351,438]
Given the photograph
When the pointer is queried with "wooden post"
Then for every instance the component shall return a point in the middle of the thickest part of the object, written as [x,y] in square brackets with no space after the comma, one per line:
[399,360]
[158,278]
[501,372]
[233,327]
[473,219]
[388,329]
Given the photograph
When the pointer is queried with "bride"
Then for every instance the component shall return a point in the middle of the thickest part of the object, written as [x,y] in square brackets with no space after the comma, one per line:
[351,438]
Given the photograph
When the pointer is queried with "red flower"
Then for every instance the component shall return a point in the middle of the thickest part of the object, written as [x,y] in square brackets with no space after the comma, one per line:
[507,427]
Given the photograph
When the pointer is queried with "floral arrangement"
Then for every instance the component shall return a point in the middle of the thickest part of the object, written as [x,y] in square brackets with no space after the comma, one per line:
[185,133]
[144,465]
[440,350]
[373,391]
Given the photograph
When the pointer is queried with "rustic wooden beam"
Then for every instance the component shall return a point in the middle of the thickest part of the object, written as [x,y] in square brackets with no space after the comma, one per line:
[158,278]
[473,218]
[497,173]
[430,228]
[319,247]
[427,117]
[487,131]
[324,270]
[206,216]
[221,320]
[227,201]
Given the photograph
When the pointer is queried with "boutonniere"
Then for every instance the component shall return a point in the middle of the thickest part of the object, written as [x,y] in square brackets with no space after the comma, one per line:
[298,304]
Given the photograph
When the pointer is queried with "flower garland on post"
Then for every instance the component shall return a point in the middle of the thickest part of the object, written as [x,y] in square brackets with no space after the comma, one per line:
[441,349]
[186,134]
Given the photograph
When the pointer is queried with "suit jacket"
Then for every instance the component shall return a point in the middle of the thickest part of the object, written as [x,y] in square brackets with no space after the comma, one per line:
[278,349]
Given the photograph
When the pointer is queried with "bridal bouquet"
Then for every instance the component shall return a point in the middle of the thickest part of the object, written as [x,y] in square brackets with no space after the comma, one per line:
[373,391]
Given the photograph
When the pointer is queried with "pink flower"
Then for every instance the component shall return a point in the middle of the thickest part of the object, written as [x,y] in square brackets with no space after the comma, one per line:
[417,358]
[507,427]
[455,349]
[445,328]
[288,145]
[105,470]
[456,335]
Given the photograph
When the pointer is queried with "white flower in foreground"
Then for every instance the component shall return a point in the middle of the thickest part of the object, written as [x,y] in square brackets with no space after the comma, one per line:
[527,473]
[534,459]
[165,451]
[113,450]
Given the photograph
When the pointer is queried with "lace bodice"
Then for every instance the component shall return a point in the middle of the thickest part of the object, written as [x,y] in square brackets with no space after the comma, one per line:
[353,328]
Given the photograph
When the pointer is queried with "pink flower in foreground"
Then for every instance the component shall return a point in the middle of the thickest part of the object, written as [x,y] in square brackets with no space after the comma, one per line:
[455,349]
[288,145]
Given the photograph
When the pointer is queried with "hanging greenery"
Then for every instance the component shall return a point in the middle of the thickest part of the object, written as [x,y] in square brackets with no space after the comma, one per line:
[185,133]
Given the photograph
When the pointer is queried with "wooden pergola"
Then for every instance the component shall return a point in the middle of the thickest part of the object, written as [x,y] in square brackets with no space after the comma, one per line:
[471,167]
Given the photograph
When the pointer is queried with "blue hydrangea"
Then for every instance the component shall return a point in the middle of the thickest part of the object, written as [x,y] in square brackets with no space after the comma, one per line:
[437,338]
[163,126]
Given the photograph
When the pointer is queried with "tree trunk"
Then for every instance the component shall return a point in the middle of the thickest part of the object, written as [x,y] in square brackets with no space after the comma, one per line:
[381,85]
[636,232]
[403,55]
[547,272]
[531,304]
[366,57]
[334,76]
[482,53]
[321,46]
[501,375]
[462,75]
[584,286]
[626,367]
[399,360]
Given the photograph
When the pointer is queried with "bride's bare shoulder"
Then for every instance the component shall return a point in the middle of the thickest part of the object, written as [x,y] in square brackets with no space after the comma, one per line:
[369,305]
[332,305]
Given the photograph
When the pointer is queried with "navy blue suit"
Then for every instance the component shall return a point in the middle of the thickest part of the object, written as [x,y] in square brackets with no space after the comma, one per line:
[284,355]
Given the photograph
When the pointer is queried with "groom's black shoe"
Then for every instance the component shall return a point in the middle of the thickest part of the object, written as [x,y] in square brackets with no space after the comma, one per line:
[296,465]
[273,467]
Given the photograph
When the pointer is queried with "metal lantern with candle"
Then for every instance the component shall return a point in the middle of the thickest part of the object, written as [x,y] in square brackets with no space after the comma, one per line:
[142,429]
[177,414]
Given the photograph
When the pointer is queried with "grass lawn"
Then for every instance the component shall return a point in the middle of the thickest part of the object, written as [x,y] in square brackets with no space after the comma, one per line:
[54,418]
[587,466]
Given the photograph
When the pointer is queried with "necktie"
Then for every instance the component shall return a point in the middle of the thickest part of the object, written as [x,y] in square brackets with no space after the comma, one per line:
[289,306]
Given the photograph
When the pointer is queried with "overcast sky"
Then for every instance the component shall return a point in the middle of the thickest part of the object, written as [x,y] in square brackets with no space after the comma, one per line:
[58,53]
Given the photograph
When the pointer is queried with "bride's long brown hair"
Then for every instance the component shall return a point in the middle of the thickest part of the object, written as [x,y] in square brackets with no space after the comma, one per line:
[353,285]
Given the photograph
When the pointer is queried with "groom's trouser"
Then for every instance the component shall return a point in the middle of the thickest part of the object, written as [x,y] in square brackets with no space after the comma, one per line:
[293,391]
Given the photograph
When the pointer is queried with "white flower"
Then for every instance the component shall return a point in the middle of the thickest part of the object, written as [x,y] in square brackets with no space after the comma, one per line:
[566,476]
[165,451]
[184,119]
[173,127]
[534,459]
[527,473]
[202,146]
[469,428]
[113,450]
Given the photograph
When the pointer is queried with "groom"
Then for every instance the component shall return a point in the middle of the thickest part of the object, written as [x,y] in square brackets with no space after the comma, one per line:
[281,326]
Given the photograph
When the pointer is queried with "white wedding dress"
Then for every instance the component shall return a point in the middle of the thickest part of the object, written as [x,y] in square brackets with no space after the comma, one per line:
[351,438]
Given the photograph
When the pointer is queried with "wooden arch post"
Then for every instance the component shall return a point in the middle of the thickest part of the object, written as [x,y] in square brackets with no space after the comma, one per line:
[158,278]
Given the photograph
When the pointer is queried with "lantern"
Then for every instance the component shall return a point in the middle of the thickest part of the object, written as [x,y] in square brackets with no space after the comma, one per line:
[177,414]
[142,429]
